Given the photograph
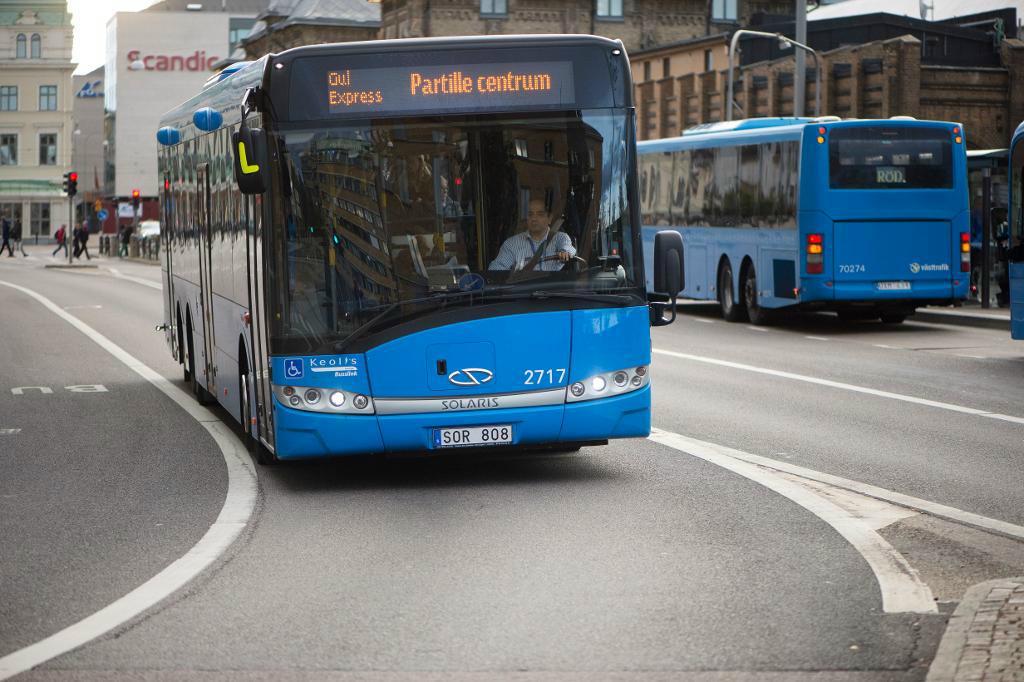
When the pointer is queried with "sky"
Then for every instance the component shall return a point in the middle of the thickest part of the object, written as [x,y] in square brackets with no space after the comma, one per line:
[90,20]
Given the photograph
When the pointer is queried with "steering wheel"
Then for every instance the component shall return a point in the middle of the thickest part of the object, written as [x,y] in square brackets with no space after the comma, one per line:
[575,261]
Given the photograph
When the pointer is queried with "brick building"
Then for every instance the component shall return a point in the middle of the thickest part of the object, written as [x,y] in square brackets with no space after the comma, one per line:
[639,24]
[291,23]
[876,79]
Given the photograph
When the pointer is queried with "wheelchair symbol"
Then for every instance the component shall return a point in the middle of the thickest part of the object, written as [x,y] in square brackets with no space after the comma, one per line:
[293,368]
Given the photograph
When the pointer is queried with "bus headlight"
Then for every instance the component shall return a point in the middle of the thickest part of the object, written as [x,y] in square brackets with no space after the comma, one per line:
[608,384]
[311,399]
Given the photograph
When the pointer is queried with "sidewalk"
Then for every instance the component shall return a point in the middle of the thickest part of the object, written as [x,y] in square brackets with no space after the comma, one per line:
[969,314]
[984,640]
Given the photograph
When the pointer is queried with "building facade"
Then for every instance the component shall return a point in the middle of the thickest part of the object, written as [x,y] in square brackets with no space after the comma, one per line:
[290,23]
[639,24]
[87,142]
[155,60]
[35,113]
[896,76]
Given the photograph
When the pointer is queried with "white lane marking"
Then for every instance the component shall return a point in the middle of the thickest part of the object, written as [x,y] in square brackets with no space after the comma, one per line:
[817,338]
[934,508]
[77,307]
[882,345]
[973,357]
[843,386]
[757,329]
[902,589]
[702,320]
[138,280]
[9,432]
[234,515]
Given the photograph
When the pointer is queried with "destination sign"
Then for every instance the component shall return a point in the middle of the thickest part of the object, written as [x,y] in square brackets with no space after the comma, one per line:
[448,87]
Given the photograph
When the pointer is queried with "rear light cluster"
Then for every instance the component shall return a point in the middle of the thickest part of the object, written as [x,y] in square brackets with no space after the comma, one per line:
[965,252]
[329,400]
[608,384]
[815,254]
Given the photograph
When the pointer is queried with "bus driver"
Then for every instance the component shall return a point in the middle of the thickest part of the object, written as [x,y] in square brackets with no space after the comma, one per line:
[519,249]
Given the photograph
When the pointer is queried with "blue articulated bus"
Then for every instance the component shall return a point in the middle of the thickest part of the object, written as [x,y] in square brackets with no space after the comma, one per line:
[407,246]
[868,218]
[1016,236]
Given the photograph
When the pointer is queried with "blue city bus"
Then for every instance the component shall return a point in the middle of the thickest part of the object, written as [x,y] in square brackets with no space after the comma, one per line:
[414,245]
[1016,236]
[868,218]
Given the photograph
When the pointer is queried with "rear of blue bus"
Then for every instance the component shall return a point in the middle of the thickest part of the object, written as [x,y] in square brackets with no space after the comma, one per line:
[884,216]
[409,312]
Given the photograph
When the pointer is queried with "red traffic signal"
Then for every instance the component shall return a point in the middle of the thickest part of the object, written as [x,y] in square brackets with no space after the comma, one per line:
[73,176]
[135,200]
[135,194]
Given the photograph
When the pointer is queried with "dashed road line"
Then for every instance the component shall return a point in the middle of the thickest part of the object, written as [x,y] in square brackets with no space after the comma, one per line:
[817,338]
[138,280]
[234,516]
[902,589]
[843,386]
[757,329]
[882,345]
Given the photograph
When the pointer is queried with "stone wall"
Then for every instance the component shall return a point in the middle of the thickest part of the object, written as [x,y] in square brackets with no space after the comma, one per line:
[305,34]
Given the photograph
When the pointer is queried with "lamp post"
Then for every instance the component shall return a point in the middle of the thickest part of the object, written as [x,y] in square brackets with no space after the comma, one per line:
[784,43]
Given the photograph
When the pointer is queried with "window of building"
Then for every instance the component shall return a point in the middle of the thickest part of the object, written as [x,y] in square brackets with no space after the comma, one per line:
[47,98]
[609,9]
[8,150]
[647,71]
[8,97]
[48,149]
[37,46]
[666,67]
[499,7]
[709,61]
[39,224]
[723,10]
[239,29]
[22,46]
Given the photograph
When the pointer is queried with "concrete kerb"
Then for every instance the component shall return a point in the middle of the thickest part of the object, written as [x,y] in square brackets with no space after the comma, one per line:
[954,642]
[70,266]
[964,317]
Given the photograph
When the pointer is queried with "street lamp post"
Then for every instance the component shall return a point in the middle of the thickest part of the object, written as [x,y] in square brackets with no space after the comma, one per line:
[784,42]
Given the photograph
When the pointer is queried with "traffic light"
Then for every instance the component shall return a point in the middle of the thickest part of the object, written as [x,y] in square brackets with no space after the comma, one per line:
[135,200]
[72,183]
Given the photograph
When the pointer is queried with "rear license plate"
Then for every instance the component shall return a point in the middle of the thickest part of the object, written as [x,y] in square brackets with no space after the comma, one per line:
[892,286]
[468,436]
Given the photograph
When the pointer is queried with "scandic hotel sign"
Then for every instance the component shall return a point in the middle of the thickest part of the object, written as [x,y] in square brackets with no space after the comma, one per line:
[197,61]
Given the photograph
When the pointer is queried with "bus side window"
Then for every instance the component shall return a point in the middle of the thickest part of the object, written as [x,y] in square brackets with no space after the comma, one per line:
[750,155]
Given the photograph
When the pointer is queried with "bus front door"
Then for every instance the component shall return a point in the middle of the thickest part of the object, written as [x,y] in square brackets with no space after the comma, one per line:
[205,280]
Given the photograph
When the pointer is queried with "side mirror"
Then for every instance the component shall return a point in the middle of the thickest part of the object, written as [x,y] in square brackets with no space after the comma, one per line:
[668,274]
[251,167]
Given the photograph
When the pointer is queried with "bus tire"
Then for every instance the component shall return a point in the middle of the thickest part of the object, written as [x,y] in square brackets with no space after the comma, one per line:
[758,316]
[255,448]
[892,318]
[182,358]
[731,310]
[203,397]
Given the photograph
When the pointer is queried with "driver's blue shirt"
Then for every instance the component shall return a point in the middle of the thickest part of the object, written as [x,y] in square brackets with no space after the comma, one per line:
[520,248]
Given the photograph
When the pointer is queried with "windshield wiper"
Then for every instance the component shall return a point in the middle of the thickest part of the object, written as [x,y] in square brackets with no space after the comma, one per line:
[589,295]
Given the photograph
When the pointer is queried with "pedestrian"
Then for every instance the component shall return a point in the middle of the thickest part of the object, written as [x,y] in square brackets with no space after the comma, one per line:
[5,227]
[16,238]
[83,237]
[62,241]
[122,242]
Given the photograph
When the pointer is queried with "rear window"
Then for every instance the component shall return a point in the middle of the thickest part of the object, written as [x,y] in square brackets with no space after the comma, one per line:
[890,157]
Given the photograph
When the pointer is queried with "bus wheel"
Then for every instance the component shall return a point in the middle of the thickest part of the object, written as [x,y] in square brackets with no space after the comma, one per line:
[203,396]
[252,444]
[731,311]
[892,318]
[758,315]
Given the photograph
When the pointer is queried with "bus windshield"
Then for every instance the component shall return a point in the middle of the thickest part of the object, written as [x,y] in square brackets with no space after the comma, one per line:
[387,220]
[890,157]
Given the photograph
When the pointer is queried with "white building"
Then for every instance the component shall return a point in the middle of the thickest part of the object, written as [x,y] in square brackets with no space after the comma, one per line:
[35,113]
[156,59]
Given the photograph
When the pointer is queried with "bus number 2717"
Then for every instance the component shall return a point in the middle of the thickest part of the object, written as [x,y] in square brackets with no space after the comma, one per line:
[538,377]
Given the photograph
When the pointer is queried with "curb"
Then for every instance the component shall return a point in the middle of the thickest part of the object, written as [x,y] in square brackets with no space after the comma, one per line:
[76,266]
[951,649]
[966,319]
